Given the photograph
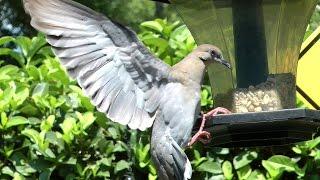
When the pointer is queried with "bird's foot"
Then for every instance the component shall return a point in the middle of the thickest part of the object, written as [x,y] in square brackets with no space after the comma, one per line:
[218,110]
[204,136]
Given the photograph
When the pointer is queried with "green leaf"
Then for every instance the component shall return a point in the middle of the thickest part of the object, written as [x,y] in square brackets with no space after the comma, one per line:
[210,166]
[4,119]
[48,152]
[256,175]
[8,150]
[159,43]
[52,138]
[71,161]
[40,90]
[104,174]
[36,44]
[297,150]
[34,73]
[46,51]
[244,158]
[67,126]
[7,96]
[33,135]
[119,147]
[6,39]
[30,109]
[16,121]
[227,170]
[121,165]
[45,175]
[47,124]
[5,51]
[153,25]
[197,158]
[8,72]
[25,170]
[15,55]
[167,30]
[24,43]
[85,119]
[221,151]
[152,176]
[7,170]
[106,161]
[17,176]
[313,143]
[277,164]
[204,97]
[113,132]
[20,96]
[244,172]
[181,33]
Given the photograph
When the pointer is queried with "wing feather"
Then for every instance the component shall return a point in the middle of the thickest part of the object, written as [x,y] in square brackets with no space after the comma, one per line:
[120,75]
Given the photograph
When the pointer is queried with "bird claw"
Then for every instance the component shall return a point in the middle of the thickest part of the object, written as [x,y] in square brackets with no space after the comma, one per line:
[204,136]
[218,110]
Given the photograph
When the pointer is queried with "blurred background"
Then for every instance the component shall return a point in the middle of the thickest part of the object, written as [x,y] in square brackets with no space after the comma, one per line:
[15,22]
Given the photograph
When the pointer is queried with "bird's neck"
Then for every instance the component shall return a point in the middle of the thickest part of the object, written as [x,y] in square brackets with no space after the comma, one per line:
[189,69]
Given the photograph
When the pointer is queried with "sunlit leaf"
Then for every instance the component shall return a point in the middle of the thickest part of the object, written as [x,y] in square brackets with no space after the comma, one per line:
[244,172]
[7,170]
[121,165]
[41,90]
[154,25]
[33,135]
[227,169]
[277,164]
[244,158]
[85,119]
[16,121]
[6,39]
[24,43]
[256,175]
[210,166]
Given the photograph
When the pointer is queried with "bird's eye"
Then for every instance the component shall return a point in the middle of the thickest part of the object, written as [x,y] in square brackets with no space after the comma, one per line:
[215,54]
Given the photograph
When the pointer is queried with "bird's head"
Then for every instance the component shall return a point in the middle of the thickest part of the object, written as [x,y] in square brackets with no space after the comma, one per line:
[209,54]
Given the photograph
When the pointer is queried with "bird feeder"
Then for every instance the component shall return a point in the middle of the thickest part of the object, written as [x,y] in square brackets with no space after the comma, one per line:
[262,40]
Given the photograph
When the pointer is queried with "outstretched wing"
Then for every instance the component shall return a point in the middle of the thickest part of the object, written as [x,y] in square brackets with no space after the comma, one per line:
[122,78]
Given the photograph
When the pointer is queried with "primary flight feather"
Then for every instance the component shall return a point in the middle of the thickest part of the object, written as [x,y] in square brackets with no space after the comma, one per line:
[124,80]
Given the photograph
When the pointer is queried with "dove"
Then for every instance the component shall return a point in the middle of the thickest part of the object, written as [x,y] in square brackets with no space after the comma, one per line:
[126,81]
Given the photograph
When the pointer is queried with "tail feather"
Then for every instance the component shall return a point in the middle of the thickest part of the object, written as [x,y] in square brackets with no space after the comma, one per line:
[170,160]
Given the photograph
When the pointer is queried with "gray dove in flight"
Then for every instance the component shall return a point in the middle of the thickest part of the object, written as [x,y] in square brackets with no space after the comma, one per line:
[126,81]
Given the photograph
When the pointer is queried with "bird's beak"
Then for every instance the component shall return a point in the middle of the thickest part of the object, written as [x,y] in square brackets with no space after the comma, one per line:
[223,62]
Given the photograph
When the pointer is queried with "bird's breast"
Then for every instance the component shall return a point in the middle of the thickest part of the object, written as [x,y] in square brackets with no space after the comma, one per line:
[178,112]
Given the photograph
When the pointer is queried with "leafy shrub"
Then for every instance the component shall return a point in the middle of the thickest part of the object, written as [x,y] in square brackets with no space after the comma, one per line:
[49,129]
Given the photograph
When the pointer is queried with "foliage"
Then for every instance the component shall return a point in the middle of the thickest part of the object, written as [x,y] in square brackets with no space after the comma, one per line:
[314,21]
[15,22]
[169,41]
[130,12]
[49,129]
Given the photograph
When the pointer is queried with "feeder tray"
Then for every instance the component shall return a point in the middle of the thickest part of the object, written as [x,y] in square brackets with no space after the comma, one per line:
[264,128]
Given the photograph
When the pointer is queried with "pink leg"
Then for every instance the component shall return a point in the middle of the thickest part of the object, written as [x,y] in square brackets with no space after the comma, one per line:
[204,136]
